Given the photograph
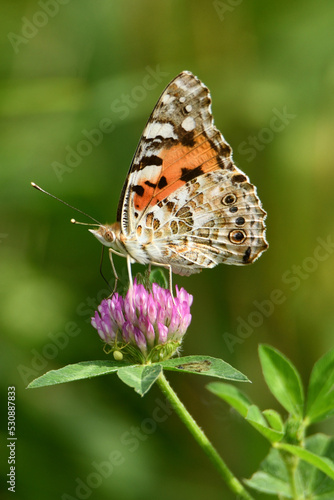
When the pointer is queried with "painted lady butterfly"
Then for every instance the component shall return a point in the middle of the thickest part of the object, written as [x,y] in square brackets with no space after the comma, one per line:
[185,205]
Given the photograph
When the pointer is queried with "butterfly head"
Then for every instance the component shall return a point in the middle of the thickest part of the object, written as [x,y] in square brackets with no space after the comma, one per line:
[107,235]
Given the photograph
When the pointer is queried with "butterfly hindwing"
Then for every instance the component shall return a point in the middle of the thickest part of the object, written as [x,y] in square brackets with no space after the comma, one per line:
[207,222]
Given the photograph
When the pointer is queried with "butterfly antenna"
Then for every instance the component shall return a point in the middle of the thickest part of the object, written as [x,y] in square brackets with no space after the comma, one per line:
[73,221]
[65,203]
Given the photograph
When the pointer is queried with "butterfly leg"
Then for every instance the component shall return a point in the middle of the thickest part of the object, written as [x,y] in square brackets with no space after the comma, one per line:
[171,282]
[128,261]
[167,266]
[114,271]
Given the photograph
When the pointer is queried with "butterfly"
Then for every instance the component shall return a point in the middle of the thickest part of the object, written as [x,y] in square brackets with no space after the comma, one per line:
[185,205]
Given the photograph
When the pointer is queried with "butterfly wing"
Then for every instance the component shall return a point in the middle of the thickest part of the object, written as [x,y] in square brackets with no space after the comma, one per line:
[185,201]
[172,143]
[207,222]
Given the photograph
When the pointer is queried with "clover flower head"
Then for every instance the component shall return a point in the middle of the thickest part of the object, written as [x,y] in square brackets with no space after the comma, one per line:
[145,325]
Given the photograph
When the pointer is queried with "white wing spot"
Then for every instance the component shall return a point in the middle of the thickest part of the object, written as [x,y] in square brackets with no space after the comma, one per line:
[182,99]
[167,99]
[188,108]
[188,124]
[165,130]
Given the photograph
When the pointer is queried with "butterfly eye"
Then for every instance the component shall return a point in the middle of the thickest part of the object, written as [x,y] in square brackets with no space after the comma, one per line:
[109,236]
[237,236]
[229,199]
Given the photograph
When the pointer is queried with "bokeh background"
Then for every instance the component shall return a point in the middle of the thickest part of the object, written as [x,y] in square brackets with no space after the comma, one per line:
[69,67]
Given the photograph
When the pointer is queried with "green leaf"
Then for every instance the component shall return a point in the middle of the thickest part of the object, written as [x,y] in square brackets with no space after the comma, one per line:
[282,379]
[140,377]
[233,396]
[274,419]
[78,371]
[204,365]
[322,463]
[273,477]
[257,420]
[159,277]
[320,396]
[316,484]
[239,401]
[261,481]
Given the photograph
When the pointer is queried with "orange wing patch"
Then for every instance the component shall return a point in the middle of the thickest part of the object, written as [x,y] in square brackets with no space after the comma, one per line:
[180,164]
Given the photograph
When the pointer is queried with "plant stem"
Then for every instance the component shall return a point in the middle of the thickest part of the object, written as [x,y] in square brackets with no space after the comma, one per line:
[291,465]
[232,482]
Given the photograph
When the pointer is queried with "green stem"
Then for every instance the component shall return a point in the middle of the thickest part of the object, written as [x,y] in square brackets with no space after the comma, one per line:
[291,465]
[202,440]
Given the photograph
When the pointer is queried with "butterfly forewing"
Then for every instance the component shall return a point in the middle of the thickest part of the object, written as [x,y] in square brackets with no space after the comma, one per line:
[172,144]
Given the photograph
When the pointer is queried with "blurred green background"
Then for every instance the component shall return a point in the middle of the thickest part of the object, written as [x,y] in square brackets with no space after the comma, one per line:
[66,68]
